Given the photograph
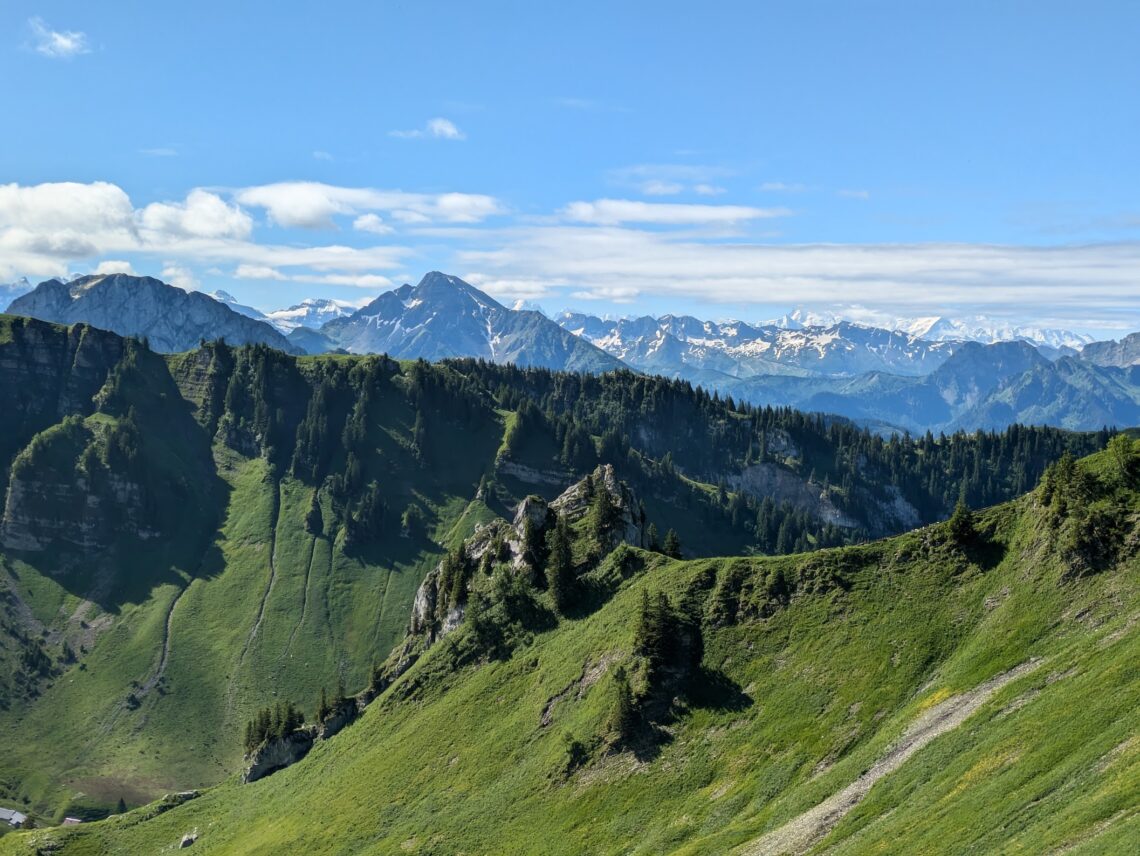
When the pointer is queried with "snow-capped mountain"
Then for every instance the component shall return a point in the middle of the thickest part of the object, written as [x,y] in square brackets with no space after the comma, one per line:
[797,319]
[443,316]
[522,305]
[938,328]
[224,297]
[11,290]
[979,328]
[312,312]
[683,346]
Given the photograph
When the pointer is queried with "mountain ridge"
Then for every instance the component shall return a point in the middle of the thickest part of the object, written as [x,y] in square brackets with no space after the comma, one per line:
[172,319]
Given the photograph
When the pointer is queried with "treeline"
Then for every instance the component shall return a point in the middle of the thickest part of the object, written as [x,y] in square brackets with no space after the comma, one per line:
[318,419]
[707,437]
[273,723]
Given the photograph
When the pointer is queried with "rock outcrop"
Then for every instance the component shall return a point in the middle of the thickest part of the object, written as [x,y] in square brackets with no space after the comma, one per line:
[281,752]
[435,613]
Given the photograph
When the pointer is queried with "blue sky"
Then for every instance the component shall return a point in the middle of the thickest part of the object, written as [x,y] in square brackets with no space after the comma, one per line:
[722,159]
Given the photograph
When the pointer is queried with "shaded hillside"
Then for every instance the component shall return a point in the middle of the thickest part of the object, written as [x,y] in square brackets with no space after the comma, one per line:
[968,687]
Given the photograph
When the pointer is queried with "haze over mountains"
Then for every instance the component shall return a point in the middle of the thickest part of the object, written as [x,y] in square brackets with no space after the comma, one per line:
[939,374]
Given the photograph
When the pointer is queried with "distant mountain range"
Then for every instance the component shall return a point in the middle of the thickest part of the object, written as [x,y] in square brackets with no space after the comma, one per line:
[443,316]
[9,291]
[310,313]
[939,328]
[170,318]
[889,379]
[705,351]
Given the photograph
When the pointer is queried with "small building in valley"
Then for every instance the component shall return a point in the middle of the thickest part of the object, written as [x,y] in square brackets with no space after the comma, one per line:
[12,817]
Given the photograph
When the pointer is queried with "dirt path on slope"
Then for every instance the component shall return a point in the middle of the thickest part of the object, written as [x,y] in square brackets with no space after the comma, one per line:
[801,833]
[164,657]
[274,520]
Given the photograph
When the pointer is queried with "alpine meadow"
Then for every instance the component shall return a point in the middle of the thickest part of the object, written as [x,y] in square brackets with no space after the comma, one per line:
[642,429]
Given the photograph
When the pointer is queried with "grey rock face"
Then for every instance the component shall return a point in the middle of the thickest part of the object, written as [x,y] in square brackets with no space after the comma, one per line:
[171,319]
[443,317]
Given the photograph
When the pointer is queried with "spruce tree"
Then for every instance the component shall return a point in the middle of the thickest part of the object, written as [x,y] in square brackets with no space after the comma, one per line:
[560,566]
[323,709]
[652,538]
[672,545]
[623,717]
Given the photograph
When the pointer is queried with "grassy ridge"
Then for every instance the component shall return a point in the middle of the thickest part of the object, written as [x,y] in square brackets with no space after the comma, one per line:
[799,697]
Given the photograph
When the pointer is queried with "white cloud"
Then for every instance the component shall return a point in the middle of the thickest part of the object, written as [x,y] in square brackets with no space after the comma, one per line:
[57,44]
[111,266]
[160,152]
[258,272]
[854,194]
[657,187]
[179,276]
[44,228]
[201,215]
[669,179]
[322,156]
[782,187]
[371,223]
[265,272]
[612,212]
[312,205]
[437,128]
[615,263]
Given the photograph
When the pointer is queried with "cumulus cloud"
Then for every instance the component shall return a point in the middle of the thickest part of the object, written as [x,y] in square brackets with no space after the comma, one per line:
[111,266]
[437,128]
[612,212]
[371,223]
[45,227]
[708,189]
[201,215]
[312,205]
[179,276]
[57,44]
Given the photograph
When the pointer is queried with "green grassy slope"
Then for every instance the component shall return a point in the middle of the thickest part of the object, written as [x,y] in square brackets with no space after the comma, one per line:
[180,579]
[813,667]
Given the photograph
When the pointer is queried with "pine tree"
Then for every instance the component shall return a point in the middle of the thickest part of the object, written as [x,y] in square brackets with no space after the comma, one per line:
[121,808]
[603,514]
[961,524]
[623,717]
[653,540]
[672,545]
[323,709]
[560,566]
[314,524]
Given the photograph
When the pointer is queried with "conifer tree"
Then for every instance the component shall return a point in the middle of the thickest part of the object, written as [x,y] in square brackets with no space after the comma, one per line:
[623,717]
[560,566]
[672,545]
